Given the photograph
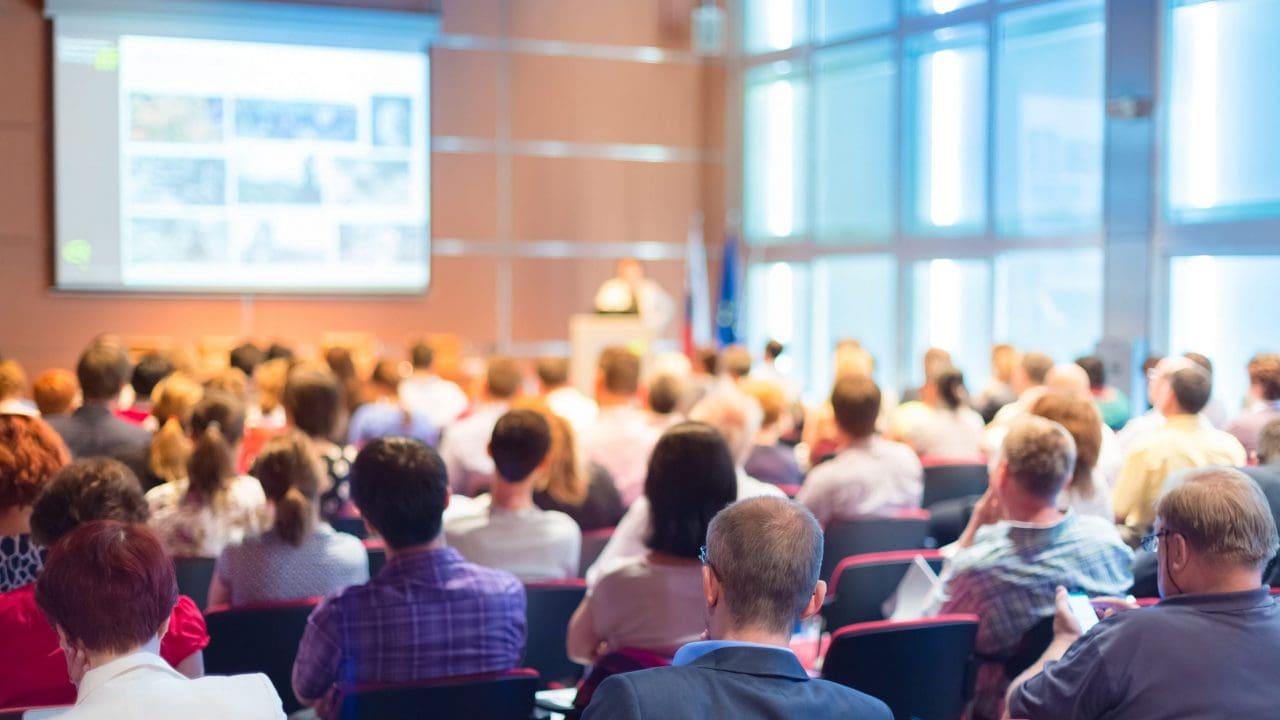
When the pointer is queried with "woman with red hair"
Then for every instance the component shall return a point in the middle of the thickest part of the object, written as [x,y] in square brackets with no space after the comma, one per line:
[108,589]
[30,453]
[35,671]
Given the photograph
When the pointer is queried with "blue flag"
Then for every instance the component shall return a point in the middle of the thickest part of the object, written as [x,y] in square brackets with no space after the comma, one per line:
[727,309]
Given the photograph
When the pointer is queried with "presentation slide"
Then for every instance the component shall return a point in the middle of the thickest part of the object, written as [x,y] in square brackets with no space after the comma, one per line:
[226,166]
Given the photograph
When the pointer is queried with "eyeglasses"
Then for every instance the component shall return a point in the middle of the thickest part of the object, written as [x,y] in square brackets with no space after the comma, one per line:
[1151,541]
[702,555]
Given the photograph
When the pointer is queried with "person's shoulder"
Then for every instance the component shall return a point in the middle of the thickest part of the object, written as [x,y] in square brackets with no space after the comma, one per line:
[559,521]
[340,543]
[493,580]
[898,451]
[842,699]
[249,696]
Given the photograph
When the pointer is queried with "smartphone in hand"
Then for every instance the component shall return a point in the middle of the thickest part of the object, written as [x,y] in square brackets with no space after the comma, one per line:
[1082,610]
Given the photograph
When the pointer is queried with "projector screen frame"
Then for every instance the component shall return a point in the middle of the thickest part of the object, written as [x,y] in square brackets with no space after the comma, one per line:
[263,21]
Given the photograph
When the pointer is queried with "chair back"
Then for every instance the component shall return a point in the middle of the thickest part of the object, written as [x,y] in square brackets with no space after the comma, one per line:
[921,669]
[947,482]
[258,638]
[860,584]
[377,551]
[195,575]
[549,606]
[593,542]
[495,696]
[617,662]
[1032,645]
[859,536]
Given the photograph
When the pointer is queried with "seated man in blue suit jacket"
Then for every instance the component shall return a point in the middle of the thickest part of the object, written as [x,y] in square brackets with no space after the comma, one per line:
[759,576]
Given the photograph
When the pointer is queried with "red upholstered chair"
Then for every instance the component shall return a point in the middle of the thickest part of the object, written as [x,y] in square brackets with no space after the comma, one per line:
[593,542]
[921,669]
[258,638]
[844,538]
[860,584]
[377,551]
[952,481]
[619,661]
[496,696]
[195,575]
[549,607]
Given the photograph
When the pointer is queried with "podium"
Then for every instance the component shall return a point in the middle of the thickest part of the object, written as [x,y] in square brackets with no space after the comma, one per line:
[590,334]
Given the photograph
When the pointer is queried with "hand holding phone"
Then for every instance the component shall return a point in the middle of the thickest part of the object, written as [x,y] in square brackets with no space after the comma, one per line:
[1082,610]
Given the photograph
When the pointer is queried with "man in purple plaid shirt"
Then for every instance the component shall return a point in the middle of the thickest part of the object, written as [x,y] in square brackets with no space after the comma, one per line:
[1018,548]
[428,613]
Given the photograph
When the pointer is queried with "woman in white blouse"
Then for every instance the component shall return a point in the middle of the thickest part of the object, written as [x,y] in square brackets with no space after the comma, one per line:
[1087,492]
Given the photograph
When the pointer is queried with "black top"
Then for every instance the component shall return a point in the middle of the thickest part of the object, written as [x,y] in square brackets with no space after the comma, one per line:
[93,430]
[602,507]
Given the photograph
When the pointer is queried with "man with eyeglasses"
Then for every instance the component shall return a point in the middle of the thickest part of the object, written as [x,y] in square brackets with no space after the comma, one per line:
[759,576]
[1208,649]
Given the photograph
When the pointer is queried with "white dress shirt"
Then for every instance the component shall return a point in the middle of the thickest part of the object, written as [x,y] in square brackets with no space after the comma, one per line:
[628,538]
[533,544]
[620,441]
[142,686]
[465,449]
[571,404]
[440,400]
[875,477]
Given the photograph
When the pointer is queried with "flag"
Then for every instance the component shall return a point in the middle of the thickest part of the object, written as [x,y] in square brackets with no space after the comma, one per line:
[727,309]
[697,294]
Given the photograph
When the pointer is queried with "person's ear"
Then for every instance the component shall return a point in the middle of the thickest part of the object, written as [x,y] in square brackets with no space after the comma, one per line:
[710,587]
[1177,553]
[488,448]
[1001,474]
[164,628]
[814,606]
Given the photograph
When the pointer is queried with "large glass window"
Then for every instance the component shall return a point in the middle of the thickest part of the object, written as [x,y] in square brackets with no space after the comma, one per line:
[772,25]
[843,18]
[1224,108]
[854,155]
[1214,309]
[774,179]
[948,69]
[951,309]
[855,298]
[1050,300]
[937,7]
[1049,123]
[778,308]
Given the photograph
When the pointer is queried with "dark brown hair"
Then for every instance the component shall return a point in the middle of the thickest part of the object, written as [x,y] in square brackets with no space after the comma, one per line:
[291,475]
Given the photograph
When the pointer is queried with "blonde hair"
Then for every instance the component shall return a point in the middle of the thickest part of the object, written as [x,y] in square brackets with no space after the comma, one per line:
[772,399]
[270,378]
[172,401]
[1221,512]
[13,381]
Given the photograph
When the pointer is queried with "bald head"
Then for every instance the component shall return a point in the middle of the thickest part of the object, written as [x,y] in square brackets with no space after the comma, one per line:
[1068,377]
[735,415]
[766,553]
[1222,514]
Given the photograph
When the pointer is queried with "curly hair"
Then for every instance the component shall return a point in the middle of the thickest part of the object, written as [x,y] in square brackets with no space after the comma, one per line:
[30,453]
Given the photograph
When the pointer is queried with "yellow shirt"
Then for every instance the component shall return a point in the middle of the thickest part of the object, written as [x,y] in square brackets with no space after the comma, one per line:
[1182,442]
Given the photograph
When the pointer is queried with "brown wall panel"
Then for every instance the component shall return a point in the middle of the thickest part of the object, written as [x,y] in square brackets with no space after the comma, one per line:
[23,85]
[473,17]
[604,101]
[547,292]
[602,200]
[464,196]
[661,23]
[464,87]
[24,182]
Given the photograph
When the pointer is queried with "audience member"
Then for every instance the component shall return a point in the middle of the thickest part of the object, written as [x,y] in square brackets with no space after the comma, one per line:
[564,399]
[109,592]
[269,379]
[343,367]
[734,363]
[93,429]
[386,414]
[1207,649]
[1182,442]
[871,475]
[425,392]
[770,460]
[654,601]
[662,400]
[246,358]
[428,613]
[1215,411]
[229,381]
[514,534]
[952,429]
[148,373]
[934,361]
[1112,404]
[1018,546]
[13,388]
[999,389]
[313,404]
[172,401]
[300,555]
[278,351]
[1264,384]
[582,490]
[1087,492]
[1157,387]
[759,578]
[736,417]
[621,438]
[54,392]
[36,670]
[30,453]
[465,443]
[770,370]
[212,507]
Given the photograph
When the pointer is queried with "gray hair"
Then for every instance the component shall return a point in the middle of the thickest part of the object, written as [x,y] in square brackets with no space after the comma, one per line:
[1269,443]
[735,415]
[1221,512]
[766,553]
[1040,455]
